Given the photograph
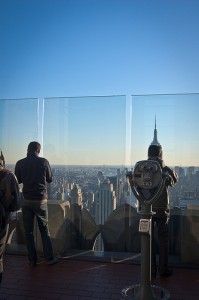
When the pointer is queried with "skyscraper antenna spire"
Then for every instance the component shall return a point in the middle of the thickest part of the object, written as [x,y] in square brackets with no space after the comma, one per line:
[155,137]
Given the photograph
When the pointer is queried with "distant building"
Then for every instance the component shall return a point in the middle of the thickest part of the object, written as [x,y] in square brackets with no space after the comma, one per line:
[180,171]
[115,182]
[100,176]
[105,201]
[76,195]
[155,137]
[190,171]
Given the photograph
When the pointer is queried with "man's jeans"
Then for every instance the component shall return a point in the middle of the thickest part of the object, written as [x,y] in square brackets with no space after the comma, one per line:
[163,241]
[30,209]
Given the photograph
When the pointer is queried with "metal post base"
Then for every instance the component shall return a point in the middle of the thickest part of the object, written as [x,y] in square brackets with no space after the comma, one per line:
[133,293]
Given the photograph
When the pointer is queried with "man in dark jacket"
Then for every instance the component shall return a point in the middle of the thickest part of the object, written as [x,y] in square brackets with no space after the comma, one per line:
[34,172]
[161,216]
[9,202]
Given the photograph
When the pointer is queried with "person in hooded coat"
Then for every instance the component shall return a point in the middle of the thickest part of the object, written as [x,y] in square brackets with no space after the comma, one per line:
[10,201]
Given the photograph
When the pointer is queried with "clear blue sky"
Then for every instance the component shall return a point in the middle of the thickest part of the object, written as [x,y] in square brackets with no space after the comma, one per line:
[63,48]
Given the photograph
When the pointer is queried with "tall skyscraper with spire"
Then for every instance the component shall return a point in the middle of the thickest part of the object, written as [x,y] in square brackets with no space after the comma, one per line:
[155,137]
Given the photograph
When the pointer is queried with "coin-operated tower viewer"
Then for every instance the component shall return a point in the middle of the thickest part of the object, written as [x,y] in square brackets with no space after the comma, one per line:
[147,182]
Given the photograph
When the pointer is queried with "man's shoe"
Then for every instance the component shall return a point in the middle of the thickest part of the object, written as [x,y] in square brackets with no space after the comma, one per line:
[52,261]
[167,273]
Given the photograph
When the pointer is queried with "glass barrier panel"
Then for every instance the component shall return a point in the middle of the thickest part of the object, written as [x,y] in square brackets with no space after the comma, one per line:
[86,140]
[172,121]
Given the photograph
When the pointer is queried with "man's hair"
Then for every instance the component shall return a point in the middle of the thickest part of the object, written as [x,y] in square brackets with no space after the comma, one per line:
[155,150]
[34,147]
